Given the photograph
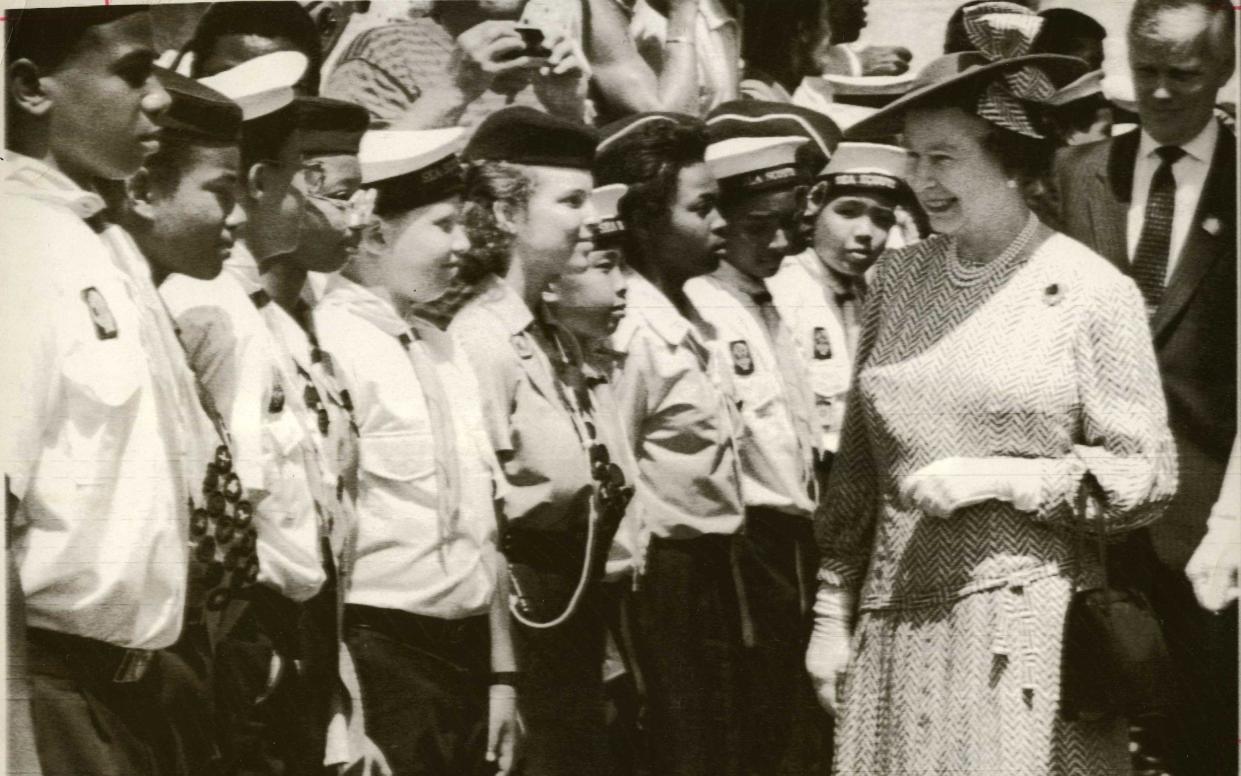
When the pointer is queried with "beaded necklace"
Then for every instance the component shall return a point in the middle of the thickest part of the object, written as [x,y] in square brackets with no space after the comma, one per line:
[966,274]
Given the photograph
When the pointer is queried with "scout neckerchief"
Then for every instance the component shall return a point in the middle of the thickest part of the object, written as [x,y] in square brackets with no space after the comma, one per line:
[221,531]
[447,460]
[793,379]
[329,496]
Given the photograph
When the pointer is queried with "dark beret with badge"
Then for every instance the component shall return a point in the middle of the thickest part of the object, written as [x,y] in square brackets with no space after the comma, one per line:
[198,110]
[411,168]
[523,135]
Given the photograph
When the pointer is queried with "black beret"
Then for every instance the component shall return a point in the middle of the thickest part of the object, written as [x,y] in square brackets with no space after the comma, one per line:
[198,110]
[760,118]
[523,135]
[47,36]
[327,126]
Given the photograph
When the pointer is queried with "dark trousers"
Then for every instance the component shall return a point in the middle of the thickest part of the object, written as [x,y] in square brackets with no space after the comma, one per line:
[687,633]
[278,730]
[787,731]
[561,697]
[1198,737]
[187,697]
[424,689]
[85,723]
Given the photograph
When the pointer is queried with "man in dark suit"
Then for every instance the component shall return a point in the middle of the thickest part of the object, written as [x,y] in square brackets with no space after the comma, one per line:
[1160,203]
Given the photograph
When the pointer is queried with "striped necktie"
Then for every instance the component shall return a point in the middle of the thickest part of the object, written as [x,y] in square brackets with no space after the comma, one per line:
[1150,260]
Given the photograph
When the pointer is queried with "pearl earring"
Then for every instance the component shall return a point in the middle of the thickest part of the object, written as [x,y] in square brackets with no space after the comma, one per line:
[1012,184]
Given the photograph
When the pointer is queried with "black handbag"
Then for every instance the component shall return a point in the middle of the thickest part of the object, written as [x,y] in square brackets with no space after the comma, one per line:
[1115,660]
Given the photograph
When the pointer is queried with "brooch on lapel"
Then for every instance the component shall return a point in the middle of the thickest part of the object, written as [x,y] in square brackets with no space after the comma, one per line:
[743,361]
[1053,294]
[1212,226]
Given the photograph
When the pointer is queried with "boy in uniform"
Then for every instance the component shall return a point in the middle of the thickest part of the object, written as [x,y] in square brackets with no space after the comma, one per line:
[106,444]
[820,291]
[760,189]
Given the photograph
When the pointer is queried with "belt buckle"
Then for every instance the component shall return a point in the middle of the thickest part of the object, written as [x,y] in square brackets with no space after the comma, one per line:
[133,666]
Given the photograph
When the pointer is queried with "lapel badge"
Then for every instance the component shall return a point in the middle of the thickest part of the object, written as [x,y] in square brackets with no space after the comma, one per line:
[522,345]
[743,360]
[1212,226]
[100,313]
[822,344]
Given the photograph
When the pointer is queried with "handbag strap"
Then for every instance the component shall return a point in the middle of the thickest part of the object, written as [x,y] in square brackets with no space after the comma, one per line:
[1081,527]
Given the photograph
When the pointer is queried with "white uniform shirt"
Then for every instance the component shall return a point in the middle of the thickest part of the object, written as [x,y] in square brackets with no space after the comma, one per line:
[1190,172]
[237,360]
[806,302]
[677,406]
[776,461]
[536,435]
[103,434]
[400,560]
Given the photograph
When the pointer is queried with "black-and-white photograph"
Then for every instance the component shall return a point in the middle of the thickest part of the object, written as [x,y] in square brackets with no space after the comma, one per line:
[620,387]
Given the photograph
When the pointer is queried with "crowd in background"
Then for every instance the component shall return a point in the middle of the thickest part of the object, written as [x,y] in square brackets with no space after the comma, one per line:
[615,387]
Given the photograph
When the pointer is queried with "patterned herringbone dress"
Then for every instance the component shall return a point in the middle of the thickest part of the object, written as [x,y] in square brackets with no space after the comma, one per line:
[1041,354]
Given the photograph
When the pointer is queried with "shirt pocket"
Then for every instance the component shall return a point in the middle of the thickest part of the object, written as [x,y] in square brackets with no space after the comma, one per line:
[107,422]
[404,456]
[284,434]
[104,376]
[759,394]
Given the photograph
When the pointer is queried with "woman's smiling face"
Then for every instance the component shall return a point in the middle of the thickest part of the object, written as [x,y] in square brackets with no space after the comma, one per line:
[957,180]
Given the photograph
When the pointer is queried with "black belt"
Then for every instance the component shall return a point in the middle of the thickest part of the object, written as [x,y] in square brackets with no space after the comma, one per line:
[461,638]
[96,658]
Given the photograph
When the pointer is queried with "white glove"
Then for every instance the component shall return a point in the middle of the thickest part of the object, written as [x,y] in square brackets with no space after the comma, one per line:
[949,484]
[827,657]
[1213,568]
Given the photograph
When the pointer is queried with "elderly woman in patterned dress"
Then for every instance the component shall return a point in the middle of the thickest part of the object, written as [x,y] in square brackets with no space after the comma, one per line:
[1002,367]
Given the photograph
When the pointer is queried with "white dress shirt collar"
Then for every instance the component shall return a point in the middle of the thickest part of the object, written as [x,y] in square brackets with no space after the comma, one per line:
[1190,173]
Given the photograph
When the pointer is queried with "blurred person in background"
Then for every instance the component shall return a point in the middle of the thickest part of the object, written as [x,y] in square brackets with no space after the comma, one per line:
[1160,204]
[230,33]
[457,61]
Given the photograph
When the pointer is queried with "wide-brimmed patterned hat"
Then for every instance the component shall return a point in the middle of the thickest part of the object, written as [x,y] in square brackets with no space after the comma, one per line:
[1005,76]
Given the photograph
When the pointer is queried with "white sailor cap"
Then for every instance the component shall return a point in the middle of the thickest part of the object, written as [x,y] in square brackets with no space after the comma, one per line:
[411,168]
[605,201]
[1087,86]
[753,164]
[867,166]
[263,85]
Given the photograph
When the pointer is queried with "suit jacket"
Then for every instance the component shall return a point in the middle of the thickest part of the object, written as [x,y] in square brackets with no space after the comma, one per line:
[1195,327]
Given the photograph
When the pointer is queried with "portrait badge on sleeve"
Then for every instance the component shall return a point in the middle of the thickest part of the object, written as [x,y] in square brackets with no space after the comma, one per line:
[822,345]
[743,361]
[100,313]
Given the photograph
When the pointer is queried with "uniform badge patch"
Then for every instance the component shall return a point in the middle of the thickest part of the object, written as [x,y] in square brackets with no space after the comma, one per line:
[743,361]
[822,344]
[522,346]
[100,313]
